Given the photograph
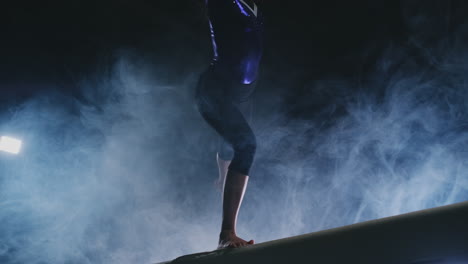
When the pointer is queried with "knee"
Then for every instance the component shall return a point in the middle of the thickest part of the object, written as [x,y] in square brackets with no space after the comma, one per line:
[244,156]
[248,147]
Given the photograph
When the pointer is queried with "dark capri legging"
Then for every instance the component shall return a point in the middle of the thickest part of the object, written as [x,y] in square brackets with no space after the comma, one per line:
[225,106]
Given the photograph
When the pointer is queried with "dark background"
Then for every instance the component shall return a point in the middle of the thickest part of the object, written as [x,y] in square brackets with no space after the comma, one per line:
[59,42]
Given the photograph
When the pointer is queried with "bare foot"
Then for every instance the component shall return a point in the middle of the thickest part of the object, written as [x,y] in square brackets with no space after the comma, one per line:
[229,239]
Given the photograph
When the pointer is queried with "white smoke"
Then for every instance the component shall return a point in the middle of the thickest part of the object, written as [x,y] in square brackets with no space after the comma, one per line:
[128,176]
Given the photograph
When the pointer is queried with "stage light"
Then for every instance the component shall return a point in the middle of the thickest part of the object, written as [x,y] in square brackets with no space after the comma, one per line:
[10,145]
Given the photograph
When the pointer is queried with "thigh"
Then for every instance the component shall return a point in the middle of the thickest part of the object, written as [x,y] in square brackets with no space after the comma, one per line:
[247,109]
[228,121]
[227,116]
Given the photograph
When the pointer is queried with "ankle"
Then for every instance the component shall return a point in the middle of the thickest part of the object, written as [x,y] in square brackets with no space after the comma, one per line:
[225,232]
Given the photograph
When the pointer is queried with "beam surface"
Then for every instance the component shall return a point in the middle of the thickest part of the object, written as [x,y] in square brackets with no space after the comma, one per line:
[432,236]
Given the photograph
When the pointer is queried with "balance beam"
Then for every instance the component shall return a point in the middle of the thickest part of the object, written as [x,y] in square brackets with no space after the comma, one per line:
[432,236]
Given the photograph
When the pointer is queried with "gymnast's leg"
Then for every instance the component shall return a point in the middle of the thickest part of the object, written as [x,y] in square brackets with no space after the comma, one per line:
[226,118]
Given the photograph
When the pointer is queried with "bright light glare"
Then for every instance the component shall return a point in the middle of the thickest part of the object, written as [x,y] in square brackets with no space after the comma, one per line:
[10,145]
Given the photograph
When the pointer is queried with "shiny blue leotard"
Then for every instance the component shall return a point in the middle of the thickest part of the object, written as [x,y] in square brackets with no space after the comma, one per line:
[236,33]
